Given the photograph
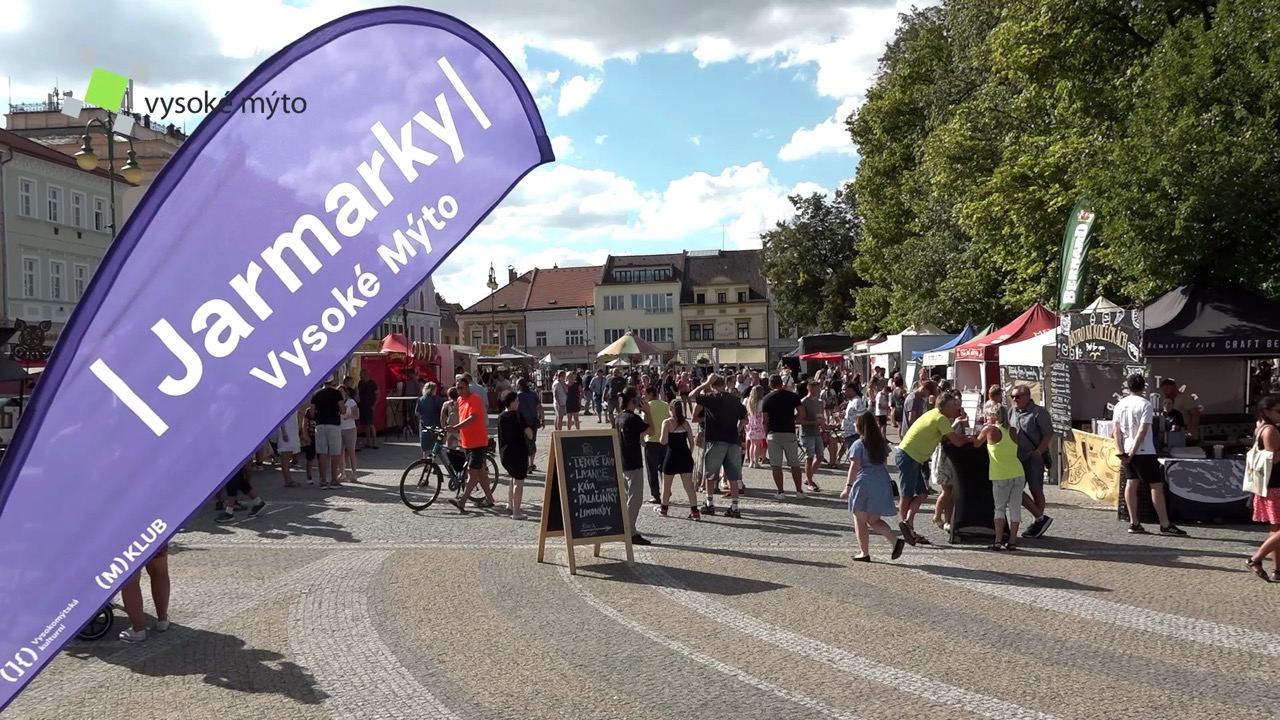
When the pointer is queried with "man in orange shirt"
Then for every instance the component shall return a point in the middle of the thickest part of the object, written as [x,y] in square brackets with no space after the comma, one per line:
[473,427]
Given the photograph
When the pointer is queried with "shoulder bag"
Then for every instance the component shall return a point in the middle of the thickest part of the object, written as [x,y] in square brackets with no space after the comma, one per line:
[1257,468]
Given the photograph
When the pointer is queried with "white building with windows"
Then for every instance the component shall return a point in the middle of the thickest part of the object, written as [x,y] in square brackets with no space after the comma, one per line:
[55,224]
[640,293]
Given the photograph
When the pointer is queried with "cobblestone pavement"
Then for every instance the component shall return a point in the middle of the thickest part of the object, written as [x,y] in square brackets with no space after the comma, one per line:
[344,604]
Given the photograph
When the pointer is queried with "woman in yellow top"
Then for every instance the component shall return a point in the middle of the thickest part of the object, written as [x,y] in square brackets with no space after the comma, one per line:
[1005,471]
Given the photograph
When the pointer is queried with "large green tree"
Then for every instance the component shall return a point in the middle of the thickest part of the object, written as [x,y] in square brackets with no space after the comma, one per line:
[989,119]
[809,261]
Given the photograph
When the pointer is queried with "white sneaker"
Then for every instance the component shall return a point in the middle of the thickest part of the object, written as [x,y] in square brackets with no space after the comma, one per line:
[162,625]
[781,496]
[134,636]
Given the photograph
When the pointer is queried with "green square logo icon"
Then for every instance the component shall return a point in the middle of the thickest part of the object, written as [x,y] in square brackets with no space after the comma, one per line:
[106,90]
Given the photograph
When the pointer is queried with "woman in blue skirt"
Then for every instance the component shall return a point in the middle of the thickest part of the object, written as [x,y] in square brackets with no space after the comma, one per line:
[868,488]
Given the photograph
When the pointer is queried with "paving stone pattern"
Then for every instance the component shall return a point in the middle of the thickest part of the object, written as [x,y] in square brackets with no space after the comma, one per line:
[343,604]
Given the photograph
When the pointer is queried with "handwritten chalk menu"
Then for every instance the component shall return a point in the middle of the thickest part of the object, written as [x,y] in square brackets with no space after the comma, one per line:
[1060,397]
[585,498]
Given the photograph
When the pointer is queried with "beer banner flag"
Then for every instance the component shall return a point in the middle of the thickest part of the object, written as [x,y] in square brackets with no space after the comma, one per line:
[265,251]
[1075,251]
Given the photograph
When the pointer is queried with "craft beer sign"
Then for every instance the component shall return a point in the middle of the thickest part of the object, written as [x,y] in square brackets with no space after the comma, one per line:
[265,251]
[1104,337]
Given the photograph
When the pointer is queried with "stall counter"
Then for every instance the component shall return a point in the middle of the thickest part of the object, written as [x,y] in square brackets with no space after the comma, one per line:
[1206,489]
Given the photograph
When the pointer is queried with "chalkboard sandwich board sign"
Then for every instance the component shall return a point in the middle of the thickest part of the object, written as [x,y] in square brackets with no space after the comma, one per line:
[585,499]
[1060,404]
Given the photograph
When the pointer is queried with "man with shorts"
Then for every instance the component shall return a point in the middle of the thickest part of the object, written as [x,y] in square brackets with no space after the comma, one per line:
[1034,433]
[613,391]
[238,484]
[597,387]
[473,428]
[560,396]
[328,414]
[1132,432]
[779,411]
[916,448]
[810,420]
[724,419]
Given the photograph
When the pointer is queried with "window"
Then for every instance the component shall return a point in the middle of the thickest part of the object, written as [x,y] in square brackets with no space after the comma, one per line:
[99,214]
[700,299]
[656,334]
[702,331]
[77,209]
[744,330]
[57,278]
[477,338]
[511,338]
[30,277]
[612,335]
[642,275]
[622,276]
[26,197]
[652,303]
[79,281]
[742,297]
[722,298]
[614,302]
[575,337]
[540,338]
[55,203]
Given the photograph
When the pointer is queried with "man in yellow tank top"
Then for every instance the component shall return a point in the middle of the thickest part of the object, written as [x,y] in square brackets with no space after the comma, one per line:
[1007,479]
[914,451]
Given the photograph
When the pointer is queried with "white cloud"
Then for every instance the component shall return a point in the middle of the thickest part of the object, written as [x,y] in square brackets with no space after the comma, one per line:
[563,147]
[576,93]
[539,80]
[569,215]
[695,139]
[600,139]
[828,136]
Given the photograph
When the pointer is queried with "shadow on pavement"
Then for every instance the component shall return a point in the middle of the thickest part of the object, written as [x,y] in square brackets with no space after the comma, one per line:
[995,577]
[752,556]
[695,580]
[222,659]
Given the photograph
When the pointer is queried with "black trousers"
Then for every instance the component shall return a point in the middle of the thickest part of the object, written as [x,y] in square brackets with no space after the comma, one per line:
[653,456]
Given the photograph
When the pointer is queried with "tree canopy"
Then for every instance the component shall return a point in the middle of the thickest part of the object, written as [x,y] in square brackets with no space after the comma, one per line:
[809,261]
[989,119]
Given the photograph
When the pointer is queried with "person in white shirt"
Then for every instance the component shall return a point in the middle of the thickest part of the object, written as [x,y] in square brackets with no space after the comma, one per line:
[560,394]
[855,405]
[1132,432]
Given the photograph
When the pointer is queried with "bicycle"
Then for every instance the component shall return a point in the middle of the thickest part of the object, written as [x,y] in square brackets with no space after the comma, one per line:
[421,481]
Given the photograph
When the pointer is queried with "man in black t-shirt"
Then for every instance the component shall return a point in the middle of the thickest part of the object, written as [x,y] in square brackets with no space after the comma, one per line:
[631,429]
[328,414]
[779,410]
[367,392]
[723,419]
[613,390]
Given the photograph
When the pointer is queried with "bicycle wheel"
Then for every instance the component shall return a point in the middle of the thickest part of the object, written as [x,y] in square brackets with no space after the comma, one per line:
[495,475]
[99,625]
[420,484]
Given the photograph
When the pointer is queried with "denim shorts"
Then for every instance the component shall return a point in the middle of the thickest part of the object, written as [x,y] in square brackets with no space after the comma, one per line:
[910,475]
[812,445]
[723,455]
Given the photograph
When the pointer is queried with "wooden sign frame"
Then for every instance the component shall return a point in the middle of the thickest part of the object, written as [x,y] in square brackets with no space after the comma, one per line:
[556,462]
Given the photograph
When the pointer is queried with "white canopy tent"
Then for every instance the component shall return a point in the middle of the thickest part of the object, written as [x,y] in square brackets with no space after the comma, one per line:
[1035,351]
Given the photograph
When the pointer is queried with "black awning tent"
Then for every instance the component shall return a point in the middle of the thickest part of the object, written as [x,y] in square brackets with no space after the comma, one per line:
[822,342]
[1198,321]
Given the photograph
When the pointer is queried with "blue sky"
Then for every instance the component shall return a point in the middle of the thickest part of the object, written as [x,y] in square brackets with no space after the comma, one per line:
[669,135]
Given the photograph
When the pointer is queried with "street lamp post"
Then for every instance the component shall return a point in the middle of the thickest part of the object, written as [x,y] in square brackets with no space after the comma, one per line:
[493,299]
[88,160]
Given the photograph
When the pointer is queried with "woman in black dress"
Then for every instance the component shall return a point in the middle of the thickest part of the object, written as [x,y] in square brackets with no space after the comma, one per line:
[676,437]
[513,449]
[573,404]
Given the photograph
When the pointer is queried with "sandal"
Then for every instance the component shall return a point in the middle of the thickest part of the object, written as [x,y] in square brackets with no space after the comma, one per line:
[941,525]
[862,558]
[1256,567]
[1011,546]
[996,546]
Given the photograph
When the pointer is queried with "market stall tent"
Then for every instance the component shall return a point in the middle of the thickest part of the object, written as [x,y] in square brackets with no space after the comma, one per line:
[1036,351]
[1198,321]
[942,355]
[977,361]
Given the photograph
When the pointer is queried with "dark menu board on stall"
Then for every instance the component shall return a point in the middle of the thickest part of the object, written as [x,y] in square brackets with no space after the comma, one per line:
[1060,397]
[1029,375]
[1107,337]
[585,498]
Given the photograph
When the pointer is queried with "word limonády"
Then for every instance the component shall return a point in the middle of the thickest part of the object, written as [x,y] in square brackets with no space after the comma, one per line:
[223,326]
